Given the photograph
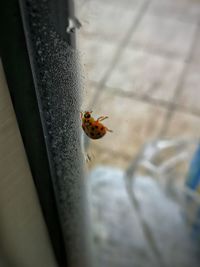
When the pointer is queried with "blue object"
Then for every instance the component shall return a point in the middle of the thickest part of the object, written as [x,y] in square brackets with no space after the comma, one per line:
[193,177]
[193,182]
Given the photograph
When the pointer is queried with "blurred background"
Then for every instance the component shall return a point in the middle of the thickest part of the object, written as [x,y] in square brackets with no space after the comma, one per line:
[141,62]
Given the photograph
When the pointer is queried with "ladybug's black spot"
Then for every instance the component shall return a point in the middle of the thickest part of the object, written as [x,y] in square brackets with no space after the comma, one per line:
[92,134]
[93,128]
[96,127]
[101,128]
[98,134]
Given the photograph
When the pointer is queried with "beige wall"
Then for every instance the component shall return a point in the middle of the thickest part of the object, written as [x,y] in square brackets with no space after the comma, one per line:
[24,240]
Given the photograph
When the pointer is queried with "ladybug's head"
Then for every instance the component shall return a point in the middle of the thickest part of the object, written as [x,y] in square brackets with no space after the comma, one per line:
[86,114]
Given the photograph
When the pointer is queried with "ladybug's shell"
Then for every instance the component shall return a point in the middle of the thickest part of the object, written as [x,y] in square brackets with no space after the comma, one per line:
[94,129]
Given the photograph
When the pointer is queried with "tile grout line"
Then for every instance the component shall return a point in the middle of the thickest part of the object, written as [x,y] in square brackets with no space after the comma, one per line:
[119,51]
[173,107]
[175,19]
[148,99]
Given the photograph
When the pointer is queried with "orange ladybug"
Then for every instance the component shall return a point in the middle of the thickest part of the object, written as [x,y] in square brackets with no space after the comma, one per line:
[93,128]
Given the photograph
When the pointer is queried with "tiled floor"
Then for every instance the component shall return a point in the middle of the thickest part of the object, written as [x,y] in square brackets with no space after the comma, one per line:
[142,61]
[129,133]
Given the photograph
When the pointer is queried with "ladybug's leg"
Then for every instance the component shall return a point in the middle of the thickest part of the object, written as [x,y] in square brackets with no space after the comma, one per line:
[109,130]
[102,118]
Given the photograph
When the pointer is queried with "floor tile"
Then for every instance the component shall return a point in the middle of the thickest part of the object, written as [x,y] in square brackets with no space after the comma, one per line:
[190,90]
[185,10]
[195,58]
[96,57]
[164,35]
[108,19]
[184,125]
[105,157]
[146,74]
[132,122]
[125,4]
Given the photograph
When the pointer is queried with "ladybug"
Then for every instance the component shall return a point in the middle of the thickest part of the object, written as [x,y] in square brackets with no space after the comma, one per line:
[93,128]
